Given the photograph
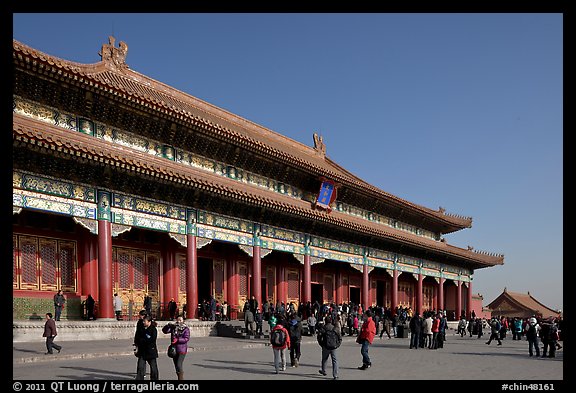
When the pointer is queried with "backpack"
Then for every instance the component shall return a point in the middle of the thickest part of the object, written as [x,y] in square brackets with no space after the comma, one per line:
[331,340]
[278,338]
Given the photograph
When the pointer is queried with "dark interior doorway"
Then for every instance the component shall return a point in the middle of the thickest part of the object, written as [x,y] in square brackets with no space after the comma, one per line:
[355,295]
[317,293]
[204,281]
[263,292]
[380,292]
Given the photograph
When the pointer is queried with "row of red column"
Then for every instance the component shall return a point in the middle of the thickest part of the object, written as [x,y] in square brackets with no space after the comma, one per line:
[170,290]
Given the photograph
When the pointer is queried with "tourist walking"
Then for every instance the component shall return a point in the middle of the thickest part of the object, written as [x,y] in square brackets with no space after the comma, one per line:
[280,340]
[50,333]
[59,301]
[494,331]
[295,332]
[147,349]
[365,338]
[179,337]
[329,337]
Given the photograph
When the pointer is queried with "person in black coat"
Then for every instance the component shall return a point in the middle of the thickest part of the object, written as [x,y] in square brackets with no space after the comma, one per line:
[295,331]
[415,330]
[147,349]
[90,307]
[148,304]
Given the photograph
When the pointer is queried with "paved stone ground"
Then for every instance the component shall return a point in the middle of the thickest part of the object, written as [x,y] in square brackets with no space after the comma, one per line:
[221,359]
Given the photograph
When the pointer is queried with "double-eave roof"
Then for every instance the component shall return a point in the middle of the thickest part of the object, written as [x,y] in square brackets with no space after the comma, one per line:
[142,90]
[31,132]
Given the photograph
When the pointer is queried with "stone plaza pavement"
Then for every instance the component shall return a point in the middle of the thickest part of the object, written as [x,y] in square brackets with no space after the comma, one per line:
[221,358]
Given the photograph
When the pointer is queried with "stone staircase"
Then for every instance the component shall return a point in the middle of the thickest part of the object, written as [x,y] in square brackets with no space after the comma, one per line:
[236,329]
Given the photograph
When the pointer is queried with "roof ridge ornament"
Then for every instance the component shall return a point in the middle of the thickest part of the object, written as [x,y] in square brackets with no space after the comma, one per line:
[319,145]
[114,56]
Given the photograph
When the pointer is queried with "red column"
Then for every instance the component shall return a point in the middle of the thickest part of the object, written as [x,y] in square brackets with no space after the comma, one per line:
[440,305]
[89,266]
[338,287]
[469,300]
[105,306]
[419,293]
[365,289]
[280,286]
[191,277]
[232,288]
[256,287]
[168,279]
[394,291]
[307,279]
[459,300]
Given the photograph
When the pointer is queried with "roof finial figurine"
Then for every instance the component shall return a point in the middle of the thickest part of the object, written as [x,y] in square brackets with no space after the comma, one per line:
[113,56]
[441,209]
[319,145]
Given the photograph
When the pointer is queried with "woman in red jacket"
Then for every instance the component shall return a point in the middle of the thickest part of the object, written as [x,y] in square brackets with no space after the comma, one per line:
[365,338]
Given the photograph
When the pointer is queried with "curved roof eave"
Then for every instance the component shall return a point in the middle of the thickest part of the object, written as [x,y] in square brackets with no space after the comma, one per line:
[134,84]
[27,129]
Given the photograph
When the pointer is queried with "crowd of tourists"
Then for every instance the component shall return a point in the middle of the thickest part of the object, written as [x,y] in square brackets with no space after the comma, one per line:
[328,322]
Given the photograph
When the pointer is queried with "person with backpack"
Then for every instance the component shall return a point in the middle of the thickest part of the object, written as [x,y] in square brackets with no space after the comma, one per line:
[280,340]
[329,338]
[494,331]
[295,333]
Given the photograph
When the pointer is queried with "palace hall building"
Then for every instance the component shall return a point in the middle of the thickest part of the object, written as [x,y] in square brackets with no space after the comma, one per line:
[122,184]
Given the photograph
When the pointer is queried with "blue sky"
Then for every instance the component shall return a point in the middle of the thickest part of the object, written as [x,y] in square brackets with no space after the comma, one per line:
[462,111]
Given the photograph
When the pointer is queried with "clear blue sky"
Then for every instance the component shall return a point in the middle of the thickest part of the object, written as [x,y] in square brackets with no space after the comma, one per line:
[462,111]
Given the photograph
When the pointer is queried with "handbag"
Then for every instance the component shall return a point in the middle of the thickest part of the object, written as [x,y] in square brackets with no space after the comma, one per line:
[172,351]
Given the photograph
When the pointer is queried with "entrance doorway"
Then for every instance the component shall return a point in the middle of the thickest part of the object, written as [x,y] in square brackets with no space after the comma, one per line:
[263,292]
[204,281]
[355,295]
[317,293]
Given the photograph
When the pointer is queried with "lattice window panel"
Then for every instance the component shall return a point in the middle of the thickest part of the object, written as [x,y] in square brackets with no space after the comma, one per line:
[153,274]
[67,261]
[138,269]
[29,262]
[123,268]
[355,281]
[405,294]
[15,253]
[293,285]
[428,297]
[218,266]
[328,289]
[182,266]
[242,280]
[114,264]
[48,264]
[271,282]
